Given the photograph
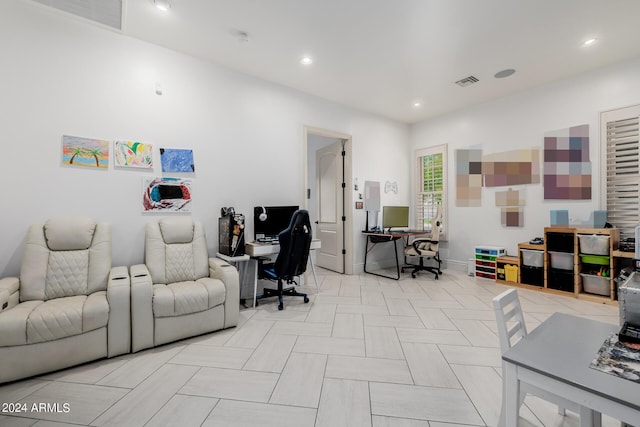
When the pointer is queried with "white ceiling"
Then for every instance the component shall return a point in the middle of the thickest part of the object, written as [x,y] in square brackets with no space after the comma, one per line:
[383,55]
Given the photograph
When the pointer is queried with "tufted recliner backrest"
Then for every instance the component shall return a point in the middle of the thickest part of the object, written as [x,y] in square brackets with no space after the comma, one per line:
[176,250]
[65,257]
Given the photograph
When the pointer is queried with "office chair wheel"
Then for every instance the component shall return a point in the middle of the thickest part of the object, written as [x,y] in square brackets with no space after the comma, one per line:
[280,306]
[306,300]
[413,275]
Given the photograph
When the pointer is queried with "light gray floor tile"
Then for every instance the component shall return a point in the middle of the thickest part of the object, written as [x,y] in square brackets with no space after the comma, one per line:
[140,404]
[138,368]
[16,391]
[466,355]
[229,413]
[400,307]
[477,333]
[85,402]
[266,312]
[322,313]
[232,384]
[349,290]
[382,342]
[482,384]
[344,403]
[251,334]
[330,345]
[43,423]
[431,336]
[8,421]
[424,403]
[301,380]
[348,326]
[379,421]
[217,338]
[362,309]
[330,299]
[302,329]
[469,314]
[428,366]
[434,318]
[183,411]
[212,356]
[89,373]
[392,321]
[373,297]
[368,369]
[272,353]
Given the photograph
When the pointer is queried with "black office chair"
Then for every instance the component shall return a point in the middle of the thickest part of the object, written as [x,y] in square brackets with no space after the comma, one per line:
[295,242]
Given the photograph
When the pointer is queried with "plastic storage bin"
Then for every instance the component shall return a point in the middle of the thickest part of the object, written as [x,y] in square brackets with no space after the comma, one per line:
[511,273]
[560,280]
[560,242]
[532,258]
[594,244]
[596,284]
[594,259]
[532,275]
[561,260]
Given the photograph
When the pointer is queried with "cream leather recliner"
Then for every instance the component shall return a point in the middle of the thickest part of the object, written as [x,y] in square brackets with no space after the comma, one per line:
[69,306]
[180,292]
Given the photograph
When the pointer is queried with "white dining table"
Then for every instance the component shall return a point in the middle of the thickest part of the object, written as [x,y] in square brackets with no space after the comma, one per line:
[556,356]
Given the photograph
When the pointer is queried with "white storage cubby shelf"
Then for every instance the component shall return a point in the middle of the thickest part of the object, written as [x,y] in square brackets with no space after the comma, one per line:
[486,260]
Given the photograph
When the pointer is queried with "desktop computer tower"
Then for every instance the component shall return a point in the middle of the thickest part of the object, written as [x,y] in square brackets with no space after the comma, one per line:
[231,234]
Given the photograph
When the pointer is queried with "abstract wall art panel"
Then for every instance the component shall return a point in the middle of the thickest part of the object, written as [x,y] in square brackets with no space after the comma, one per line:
[163,194]
[517,167]
[567,169]
[177,160]
[468,177]
[510,198]
[77,151]
[132,154]
[512,217]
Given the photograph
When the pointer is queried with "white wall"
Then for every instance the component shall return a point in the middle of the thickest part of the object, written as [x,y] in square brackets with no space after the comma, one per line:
[519,122]
[62,75]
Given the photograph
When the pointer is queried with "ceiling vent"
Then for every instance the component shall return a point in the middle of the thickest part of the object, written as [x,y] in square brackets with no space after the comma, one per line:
[105,12]
[467,81]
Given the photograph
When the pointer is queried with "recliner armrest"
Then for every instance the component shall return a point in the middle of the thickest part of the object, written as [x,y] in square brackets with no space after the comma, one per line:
[220,269]
[142,323]
[119,297]
[9,293]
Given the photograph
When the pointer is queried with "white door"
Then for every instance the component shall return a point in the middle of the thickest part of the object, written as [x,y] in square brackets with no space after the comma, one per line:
[330,226]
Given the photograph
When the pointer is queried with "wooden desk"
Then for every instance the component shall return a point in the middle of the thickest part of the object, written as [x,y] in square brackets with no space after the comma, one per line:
[375,237]
[556,357]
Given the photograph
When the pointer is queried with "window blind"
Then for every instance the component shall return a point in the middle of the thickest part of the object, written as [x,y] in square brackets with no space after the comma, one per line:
[623,179]
[431,186]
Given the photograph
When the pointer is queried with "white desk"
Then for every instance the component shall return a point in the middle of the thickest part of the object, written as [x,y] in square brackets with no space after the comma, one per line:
[257,249]
[556,357]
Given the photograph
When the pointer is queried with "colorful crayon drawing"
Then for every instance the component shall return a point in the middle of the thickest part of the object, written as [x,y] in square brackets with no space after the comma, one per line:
[86,152]
[164,194]
[177,160]
[133,154]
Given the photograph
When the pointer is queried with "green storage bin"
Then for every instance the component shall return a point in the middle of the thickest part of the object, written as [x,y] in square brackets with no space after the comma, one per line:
[594,259]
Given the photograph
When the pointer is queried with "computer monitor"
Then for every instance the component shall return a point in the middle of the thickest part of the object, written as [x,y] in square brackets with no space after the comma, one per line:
[395,217]
[269,221]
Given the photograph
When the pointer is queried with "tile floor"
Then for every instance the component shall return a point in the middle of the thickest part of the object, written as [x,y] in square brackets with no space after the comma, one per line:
[366,351]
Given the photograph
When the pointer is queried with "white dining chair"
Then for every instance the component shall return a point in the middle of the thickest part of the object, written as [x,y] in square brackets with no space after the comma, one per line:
[511,328]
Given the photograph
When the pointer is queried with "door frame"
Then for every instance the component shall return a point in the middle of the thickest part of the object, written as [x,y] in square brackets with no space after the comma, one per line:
[348,180]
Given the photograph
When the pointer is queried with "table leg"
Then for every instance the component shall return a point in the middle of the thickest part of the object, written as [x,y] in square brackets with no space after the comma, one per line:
[313,269]
[255,284]
[511,394]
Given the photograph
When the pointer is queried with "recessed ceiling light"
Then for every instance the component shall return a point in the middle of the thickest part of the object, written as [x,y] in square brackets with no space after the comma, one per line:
[163,5]
[589,42]
[306,60]
[504,73]
[417,104]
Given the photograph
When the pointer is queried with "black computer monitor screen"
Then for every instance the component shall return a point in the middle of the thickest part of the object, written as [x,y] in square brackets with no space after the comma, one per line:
[395,216]
[275,219]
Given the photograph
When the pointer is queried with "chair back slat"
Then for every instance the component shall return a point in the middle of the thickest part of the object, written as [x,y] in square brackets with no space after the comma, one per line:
[509,318]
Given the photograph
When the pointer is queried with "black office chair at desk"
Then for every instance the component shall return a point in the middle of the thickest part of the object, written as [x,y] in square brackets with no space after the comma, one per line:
[295,242]
[426,248]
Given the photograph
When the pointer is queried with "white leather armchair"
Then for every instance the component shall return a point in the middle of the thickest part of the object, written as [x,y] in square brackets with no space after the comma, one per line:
[69,306]
[180,292]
